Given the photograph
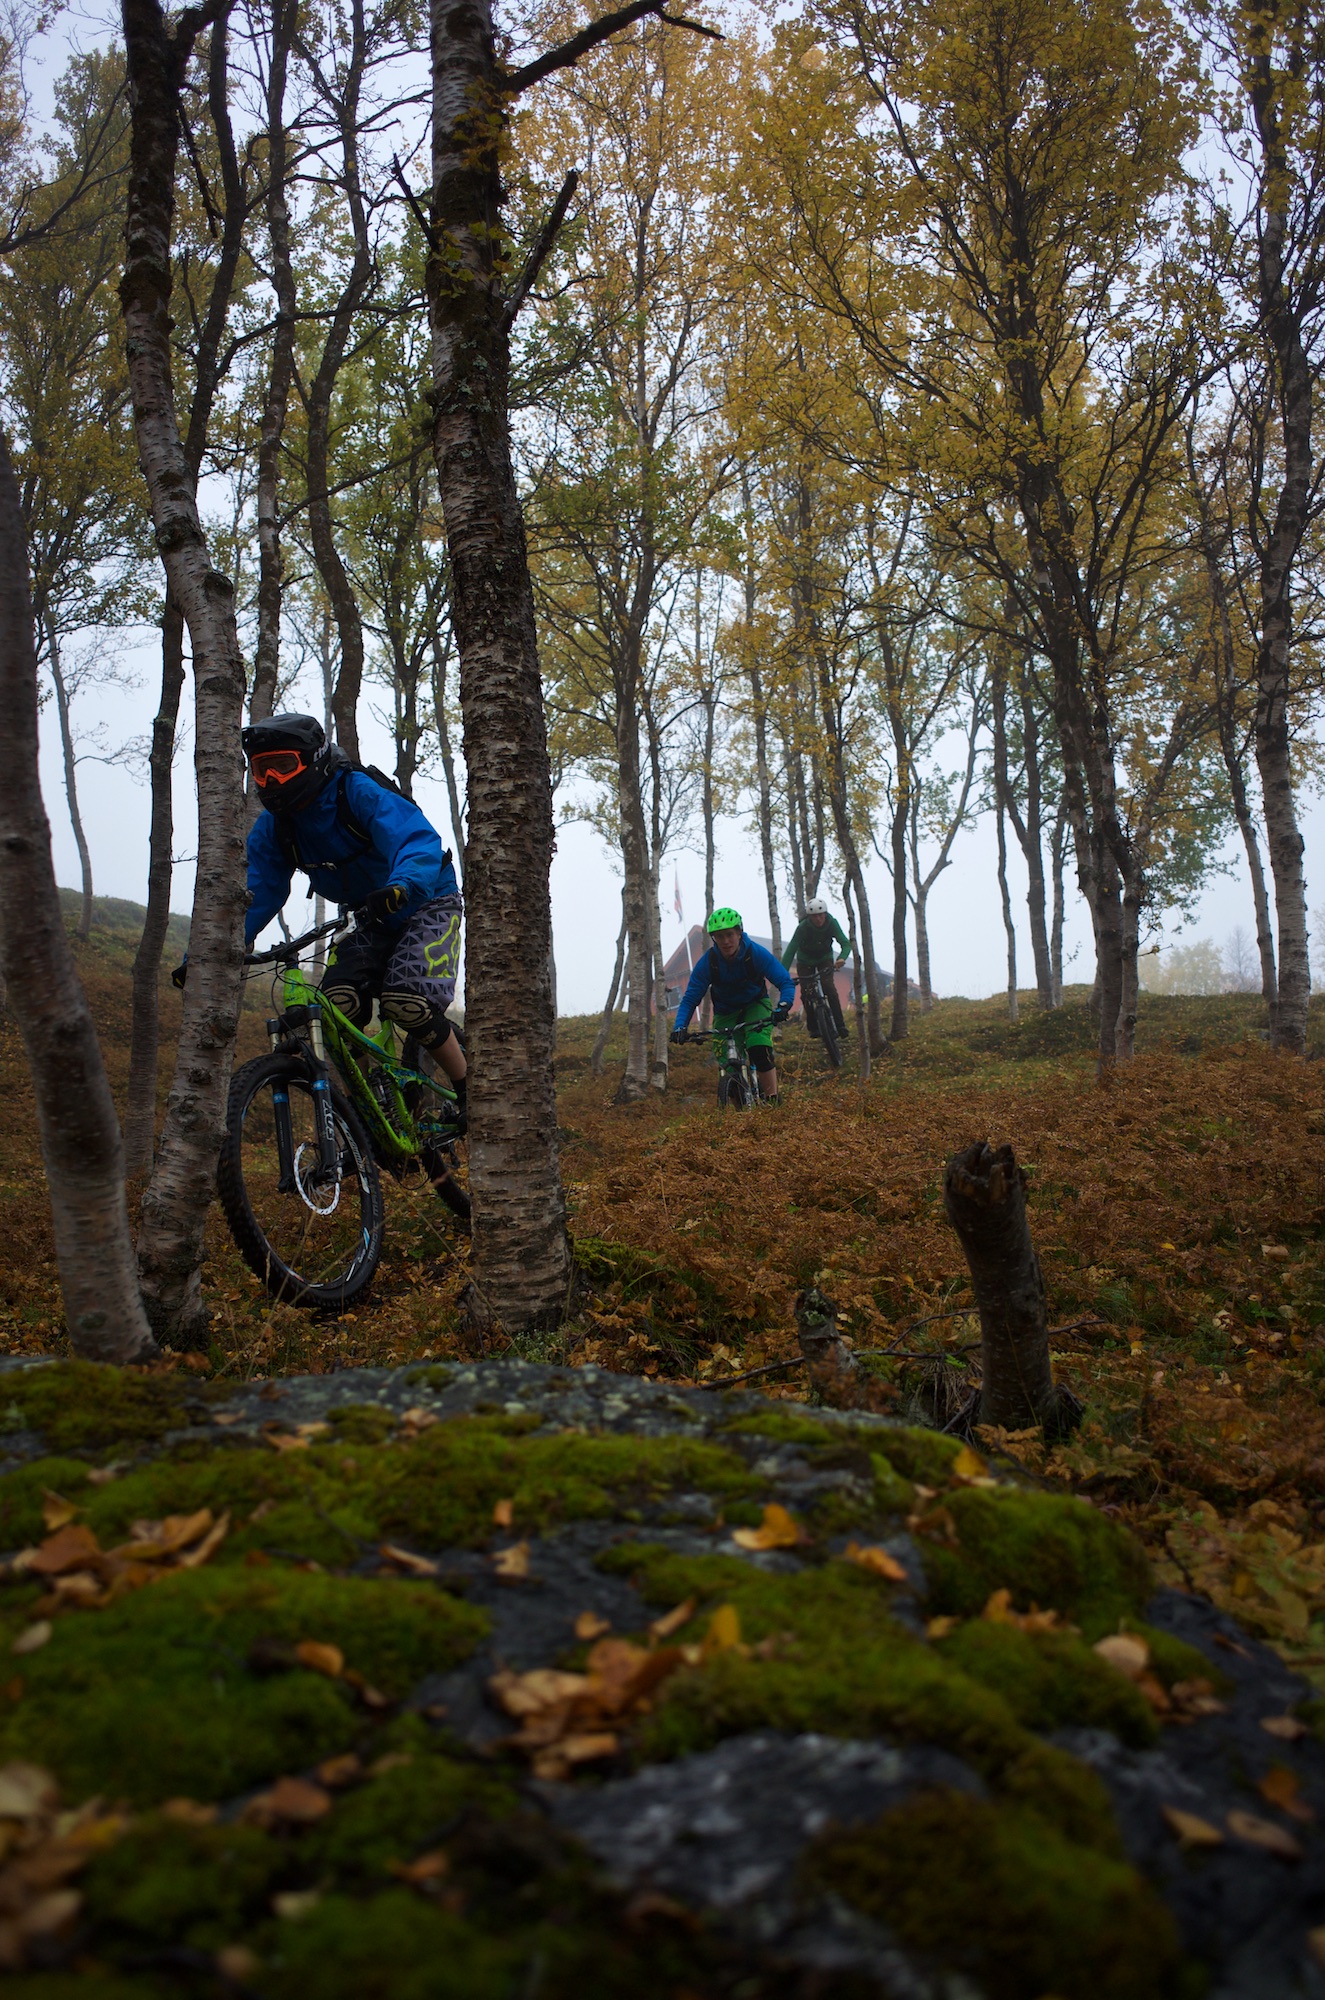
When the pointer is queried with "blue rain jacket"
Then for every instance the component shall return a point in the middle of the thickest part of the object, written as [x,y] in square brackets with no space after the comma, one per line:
[406,848]
[734,983]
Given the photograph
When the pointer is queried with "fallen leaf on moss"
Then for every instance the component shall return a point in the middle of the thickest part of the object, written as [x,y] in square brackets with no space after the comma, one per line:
[998,1611]
[416,1420]
[427,1868]
[1125,1651]
[56,1511]
[876,1560]
[33,1637]
[190,1812]
[590,1626]
[370,1696]
[724,1632]
[936,1525]
[561,1715]
[26,1791]
[503,1514]
[70,1548]
[237,1962]
[1190,1700]
[939,1628]
[295,1800]
[405,1559]
[1264,1833]
[1282,1788]
[672,1621]
[512,1563]
[777,1530]
[337,1771]
[320,1658]
[1286,1727]
[585,1748]
[1190,1830]
[968,1464]
[285,1440]
[295,1904]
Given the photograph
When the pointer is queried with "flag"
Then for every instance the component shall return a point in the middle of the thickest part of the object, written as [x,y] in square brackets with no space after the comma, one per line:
[676,897]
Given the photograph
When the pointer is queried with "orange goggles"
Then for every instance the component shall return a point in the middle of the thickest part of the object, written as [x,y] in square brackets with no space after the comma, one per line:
[277,767]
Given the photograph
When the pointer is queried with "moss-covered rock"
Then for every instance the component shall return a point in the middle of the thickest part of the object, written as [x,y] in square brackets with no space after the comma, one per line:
[82,1406]
[155,1696]
[997,1893]
[1047,1549]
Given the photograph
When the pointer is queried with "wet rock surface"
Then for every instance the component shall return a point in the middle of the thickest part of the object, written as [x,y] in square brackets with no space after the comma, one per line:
[725,1831]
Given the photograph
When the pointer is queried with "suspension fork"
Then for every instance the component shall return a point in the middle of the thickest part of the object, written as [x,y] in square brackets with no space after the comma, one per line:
[328,1152]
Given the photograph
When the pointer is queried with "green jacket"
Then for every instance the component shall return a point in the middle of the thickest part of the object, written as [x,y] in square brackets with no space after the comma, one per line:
[813,945]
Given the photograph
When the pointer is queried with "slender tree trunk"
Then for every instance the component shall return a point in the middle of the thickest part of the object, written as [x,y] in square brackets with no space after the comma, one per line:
[795,794]
[1058,858]
[1030,838]
[984,1195]
[70,775]
[1129,997]
[280,378]
[901,966]
[321,532]
[441,659]
[145,1030]
[1002,794]
[605,1025]
[1009,926]
[635,888]
[863,1057]
[658,1068]
[80,1135]
[1282,322]
[764,805]
[175,1205]
[520,1248]
[921,909]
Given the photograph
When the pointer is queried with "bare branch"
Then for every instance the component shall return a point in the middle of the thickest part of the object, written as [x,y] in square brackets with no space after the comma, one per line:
[537,257]
[567,54]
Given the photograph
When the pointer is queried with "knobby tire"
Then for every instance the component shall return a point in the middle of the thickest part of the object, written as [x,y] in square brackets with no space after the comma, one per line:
[338,1270]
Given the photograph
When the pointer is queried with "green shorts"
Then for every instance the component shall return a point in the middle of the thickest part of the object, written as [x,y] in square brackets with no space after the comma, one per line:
[756,1016]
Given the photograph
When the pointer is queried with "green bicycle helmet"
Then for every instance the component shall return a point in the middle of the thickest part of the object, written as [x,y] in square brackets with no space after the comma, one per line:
[725,920]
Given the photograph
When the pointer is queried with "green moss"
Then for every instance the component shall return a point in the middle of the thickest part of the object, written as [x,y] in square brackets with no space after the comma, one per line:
[394,1946]
[154,1695]
[893,1493]
[1047,1549]
[402,1813]
[21,1491]
[1174,1660]
[924,1457]
[169,1884]
[85,1406]
[782,1426]
[991,1891]
[841,1663]
[1050,1680]
[334,1502]
[362,1423]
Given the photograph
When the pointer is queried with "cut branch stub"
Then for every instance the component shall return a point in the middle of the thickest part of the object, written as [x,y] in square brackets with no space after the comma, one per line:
[984,1195]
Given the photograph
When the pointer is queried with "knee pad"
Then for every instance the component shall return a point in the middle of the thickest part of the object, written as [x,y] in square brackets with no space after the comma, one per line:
[354,1001]
[762,1059]
[417,1016]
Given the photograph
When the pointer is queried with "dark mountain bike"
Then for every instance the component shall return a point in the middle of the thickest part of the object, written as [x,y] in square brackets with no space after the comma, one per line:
[737,1088]
[308,1129]
[819,1020]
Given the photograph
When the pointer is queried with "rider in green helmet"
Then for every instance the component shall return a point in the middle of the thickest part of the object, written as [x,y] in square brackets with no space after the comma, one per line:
[737,972]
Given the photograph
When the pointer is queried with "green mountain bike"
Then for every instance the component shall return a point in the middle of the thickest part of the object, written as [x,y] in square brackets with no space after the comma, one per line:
[309,1128]
[819,1022]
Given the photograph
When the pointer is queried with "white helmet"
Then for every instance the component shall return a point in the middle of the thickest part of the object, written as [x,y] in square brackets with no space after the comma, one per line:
[816,907]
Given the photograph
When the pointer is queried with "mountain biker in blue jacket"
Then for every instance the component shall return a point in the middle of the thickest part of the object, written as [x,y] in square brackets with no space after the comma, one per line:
[737,972]
[369,848]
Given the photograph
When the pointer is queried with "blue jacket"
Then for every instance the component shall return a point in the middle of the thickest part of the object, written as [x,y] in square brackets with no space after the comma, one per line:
[406,849]
[735,983]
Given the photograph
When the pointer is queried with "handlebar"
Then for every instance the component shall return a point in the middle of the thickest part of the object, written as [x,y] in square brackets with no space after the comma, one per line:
[290,948]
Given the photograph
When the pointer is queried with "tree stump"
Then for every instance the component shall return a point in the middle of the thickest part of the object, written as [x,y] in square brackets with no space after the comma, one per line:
[832,1365]
[984,1195]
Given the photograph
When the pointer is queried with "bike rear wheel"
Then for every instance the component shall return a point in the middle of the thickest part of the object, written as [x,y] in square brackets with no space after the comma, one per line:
[447,1163]
[315,1241]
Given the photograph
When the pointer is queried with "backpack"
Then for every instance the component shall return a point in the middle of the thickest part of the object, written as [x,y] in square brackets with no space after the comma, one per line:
[346,818]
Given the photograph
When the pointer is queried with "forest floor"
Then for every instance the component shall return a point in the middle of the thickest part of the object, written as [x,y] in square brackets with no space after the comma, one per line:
[725,1628]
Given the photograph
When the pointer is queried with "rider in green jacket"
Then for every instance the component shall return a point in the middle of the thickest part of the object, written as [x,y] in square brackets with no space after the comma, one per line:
[812,945]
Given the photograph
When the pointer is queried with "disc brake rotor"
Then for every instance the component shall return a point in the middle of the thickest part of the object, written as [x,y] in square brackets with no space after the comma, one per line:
[323,1200]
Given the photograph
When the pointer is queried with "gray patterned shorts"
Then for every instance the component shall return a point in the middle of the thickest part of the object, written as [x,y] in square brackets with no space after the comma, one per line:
[422,961]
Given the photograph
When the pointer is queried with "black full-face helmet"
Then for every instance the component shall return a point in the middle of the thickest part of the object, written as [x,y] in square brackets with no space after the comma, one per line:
[289,759]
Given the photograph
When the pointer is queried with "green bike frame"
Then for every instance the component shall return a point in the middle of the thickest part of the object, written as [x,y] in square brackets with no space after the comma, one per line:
[374,1076]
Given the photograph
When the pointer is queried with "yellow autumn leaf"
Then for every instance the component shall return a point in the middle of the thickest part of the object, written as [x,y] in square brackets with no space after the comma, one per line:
[724,1632]
[968,1464]
[1190,1830]
[876,1560]
[590,1626]
[503,1514]
[777,1530]
[512,1562]
[56,1511]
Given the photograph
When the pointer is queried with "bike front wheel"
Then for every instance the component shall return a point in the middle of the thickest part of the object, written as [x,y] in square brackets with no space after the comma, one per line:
[828,1036]
[734,1093]
[313,1236]
[446,1162]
